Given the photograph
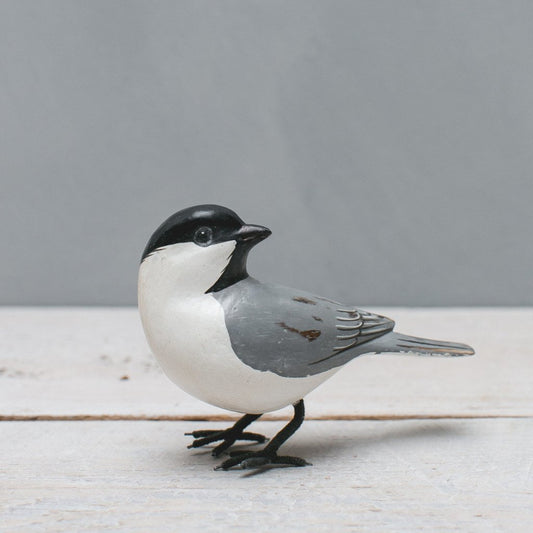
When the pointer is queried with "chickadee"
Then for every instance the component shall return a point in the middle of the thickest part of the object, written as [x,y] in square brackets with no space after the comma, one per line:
[243,345]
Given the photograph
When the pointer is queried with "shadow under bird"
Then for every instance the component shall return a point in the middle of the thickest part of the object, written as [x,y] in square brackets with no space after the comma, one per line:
[244,345]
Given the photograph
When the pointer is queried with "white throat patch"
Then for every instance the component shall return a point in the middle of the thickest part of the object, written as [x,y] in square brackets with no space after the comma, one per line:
[184,269]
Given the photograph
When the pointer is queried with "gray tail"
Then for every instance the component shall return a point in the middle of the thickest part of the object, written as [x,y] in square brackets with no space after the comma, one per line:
[396,342]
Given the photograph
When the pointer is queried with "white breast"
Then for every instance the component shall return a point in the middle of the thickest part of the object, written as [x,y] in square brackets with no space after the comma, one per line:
[187,333]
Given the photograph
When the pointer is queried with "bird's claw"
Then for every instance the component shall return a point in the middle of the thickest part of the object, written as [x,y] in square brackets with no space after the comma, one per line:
[247,460]
[200,433]
[228,438]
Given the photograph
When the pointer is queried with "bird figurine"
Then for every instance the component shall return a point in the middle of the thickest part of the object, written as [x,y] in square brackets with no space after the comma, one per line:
[244,345]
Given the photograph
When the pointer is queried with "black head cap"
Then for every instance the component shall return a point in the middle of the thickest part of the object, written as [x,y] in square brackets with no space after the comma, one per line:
[209,224]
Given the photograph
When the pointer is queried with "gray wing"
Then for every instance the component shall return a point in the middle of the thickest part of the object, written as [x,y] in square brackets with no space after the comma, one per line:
[293,333]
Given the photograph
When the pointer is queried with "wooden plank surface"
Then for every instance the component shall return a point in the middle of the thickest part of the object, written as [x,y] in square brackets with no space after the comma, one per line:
[95,362]
[105,473]
[436,475]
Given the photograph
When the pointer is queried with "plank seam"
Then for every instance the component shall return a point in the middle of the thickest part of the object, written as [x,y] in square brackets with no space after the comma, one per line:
[230,418]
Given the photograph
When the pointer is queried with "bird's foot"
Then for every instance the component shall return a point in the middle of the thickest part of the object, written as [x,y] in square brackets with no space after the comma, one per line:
[227,436]
[247,460]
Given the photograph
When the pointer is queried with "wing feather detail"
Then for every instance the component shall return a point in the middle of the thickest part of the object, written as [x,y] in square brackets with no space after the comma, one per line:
[364,325]
[293,333]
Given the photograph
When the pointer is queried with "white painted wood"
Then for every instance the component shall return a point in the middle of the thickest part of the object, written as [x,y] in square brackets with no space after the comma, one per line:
[401,476]
[71,361]
[411,475]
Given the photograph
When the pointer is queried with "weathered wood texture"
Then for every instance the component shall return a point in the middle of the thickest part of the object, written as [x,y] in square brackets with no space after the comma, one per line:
[384,475]
[436,475]
[96,362]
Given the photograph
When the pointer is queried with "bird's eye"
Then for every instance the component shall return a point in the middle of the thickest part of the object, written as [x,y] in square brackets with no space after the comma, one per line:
[203,236]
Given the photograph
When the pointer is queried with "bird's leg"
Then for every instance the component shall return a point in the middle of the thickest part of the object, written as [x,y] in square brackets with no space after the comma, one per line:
[227,436]
[269,454]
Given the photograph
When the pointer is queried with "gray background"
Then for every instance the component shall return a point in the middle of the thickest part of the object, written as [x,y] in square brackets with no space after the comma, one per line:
[388,145]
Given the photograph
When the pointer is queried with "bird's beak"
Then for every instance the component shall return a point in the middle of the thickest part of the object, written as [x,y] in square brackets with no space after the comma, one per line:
[252,234]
